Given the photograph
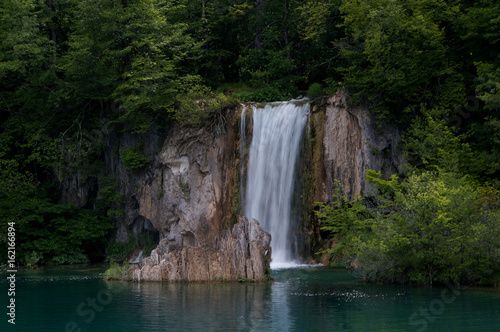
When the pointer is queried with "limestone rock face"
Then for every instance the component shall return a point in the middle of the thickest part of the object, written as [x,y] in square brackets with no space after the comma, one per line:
[244,252]
[189,195]
[352,142]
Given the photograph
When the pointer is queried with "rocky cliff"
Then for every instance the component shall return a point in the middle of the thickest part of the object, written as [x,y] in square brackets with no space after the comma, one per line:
[241,254]
[345,141]
[348,140]
[188,193]
[188,198]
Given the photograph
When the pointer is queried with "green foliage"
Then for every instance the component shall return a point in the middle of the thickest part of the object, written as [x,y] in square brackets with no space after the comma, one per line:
[385,187]
[51,233]
[397,48]
[315,90]
[267,274]
[47,232]
[108,200]
[120,251]
[345,220]
[266,94]
[269,72]
[118,272]
[33,259]
[246,280]
[197,105]
[435,144]
[314,16]
[430,228]
[489,84]
[23,48]
[484,162]
[125,52]
[133,157]
[431,142]
[147,243]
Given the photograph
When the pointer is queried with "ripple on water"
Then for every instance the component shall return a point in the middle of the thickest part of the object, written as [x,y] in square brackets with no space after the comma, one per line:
[348,296]
[59,278]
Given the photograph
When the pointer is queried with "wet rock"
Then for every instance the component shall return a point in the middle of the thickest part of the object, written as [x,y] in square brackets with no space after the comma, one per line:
[242,253]
[352,142]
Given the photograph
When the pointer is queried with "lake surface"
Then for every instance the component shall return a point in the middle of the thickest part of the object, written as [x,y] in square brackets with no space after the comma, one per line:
[300,299]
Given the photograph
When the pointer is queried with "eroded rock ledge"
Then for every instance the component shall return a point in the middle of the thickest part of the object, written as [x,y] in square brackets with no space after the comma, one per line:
[349,141]
[243,253]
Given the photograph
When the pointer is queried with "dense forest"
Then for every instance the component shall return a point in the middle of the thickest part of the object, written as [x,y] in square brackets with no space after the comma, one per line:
[74,70]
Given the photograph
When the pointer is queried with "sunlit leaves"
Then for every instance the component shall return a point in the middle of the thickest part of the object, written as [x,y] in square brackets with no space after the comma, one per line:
[23,49]
[429,228]
[130,55]
[398,50]
[489,85]
[314,16]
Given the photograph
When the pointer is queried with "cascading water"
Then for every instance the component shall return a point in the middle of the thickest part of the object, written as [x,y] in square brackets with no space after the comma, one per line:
[277,132]
[243,147]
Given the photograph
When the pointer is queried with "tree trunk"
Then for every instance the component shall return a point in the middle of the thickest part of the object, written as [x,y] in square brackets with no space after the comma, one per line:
[53,34]
[259,11]
[285,30]
[204,18]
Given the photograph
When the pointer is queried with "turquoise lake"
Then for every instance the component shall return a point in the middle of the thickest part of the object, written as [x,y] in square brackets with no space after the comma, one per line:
[300,299]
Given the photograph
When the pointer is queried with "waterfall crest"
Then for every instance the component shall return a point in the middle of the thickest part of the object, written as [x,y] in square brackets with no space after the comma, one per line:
[277,132]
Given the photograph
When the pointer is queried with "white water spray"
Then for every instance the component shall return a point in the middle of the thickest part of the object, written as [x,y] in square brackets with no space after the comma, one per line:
[277,133]
[243,147]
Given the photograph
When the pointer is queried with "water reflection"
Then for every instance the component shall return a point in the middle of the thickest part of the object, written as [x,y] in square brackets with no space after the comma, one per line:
[280,319]
[202,307]
[196,307]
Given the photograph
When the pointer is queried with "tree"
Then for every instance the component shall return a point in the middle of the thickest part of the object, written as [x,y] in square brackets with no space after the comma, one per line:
[397,54]
[431,228]
[430,142]
[130,53]
[47,232]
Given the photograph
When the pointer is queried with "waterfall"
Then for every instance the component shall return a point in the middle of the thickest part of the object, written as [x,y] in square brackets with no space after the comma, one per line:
[243,147]
[277,132]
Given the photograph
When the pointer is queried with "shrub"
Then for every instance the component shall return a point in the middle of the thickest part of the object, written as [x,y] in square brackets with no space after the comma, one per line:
[47,232]
[265,94]
[430,228]
[32,259]
[315,90]
[133,157]
[117,272]
[346,221]
[197,105]
[51,233]
[120,251]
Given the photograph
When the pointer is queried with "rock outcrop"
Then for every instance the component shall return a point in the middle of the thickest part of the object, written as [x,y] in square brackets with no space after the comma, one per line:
[241,254]
[345,142]
[188,192]
[349,141]
[187,195]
